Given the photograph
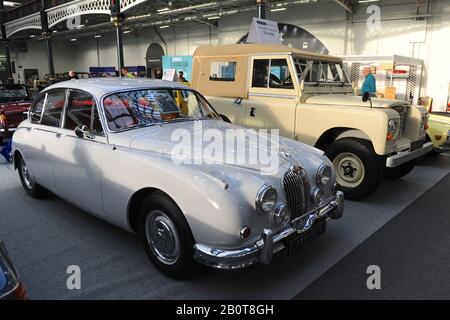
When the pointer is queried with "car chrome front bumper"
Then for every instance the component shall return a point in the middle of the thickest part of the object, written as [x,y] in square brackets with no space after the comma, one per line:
[407,156]
[262,251]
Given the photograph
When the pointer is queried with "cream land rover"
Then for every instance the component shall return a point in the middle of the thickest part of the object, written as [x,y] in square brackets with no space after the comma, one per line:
[309,97]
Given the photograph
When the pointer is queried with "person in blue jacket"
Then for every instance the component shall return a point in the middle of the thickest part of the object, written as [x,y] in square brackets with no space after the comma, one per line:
[5,150]
[369,84]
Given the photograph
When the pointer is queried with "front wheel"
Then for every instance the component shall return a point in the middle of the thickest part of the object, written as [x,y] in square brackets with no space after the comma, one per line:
[166,236]
[357,167]
[400,171]
[29,184]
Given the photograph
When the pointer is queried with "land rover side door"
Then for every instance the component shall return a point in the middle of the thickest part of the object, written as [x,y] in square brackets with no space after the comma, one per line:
[273,94]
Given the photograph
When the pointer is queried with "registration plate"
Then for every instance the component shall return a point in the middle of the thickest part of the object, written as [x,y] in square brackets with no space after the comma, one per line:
[306,237]
[416,145]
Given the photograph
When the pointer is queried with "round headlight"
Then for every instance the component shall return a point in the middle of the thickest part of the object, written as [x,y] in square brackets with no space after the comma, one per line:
[392,126]
[266,199]
[282,215]
[323,175]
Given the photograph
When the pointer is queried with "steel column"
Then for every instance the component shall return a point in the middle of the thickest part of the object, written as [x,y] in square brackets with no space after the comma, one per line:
[261,8]
[5,43]
[118,19]
[46,34]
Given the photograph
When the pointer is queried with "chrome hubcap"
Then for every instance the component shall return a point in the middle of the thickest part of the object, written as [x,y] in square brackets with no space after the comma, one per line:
[162,237]
[26,175]
[350,170]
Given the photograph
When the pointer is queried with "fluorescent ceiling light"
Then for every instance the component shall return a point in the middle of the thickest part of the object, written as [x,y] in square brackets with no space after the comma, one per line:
[127,31]
[213,18]
[55,31]
[98,36]
[277,9]
[164,27]
[80,26]
[11,4]
[367,1]
[32,36]
[73,39]
[163,9]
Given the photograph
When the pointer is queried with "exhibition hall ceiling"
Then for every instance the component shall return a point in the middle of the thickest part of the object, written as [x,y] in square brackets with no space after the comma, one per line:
[162,14]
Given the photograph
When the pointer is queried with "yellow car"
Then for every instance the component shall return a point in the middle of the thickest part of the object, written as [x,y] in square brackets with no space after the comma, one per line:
[439,131]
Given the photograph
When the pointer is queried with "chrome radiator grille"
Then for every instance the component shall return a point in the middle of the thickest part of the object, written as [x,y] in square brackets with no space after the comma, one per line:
[296,189]
[402,110]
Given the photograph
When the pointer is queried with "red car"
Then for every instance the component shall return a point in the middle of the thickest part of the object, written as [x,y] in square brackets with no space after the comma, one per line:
[15,100]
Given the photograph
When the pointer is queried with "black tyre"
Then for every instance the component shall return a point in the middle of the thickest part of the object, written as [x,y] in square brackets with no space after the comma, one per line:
[30,186]
[358,168]
[166,236]
[400,171]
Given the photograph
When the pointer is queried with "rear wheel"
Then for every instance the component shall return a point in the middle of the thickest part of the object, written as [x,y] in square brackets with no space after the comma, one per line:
[29,184]
[357,167]
[400,171]
[166,236]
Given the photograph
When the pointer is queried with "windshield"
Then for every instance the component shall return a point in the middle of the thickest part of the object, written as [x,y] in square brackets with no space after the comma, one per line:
[320,72]
[126,110]
[11,93]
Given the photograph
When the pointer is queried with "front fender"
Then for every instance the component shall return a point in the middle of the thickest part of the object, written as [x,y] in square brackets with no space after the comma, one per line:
[314,120]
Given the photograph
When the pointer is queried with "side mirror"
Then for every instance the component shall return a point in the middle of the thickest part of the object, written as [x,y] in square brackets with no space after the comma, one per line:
[81,131]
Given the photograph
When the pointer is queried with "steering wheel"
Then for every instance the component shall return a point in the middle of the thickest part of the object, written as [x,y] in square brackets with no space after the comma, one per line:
[287,81]
[275,79]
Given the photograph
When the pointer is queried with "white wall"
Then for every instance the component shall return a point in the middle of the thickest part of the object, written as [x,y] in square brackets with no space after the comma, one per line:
[327,21]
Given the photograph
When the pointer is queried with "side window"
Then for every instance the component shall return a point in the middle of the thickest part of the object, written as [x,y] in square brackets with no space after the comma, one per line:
[36,110]
[280,77]
[53,108]
[222,71]
[82,111]
[260,73]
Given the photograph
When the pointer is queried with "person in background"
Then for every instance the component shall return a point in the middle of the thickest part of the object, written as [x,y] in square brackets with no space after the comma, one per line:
[369,84]
[126,74]
[181,77]
[72,75]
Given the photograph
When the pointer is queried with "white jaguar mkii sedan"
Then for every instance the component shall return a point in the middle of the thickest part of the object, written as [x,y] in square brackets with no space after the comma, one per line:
[111,147]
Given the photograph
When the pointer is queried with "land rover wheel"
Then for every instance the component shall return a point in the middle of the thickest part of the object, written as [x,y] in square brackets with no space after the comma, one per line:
[166,236]
[400,171]
[29,184]
[357,167]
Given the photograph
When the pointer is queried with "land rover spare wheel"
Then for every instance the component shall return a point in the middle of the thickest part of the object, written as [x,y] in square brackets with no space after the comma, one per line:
[358,168]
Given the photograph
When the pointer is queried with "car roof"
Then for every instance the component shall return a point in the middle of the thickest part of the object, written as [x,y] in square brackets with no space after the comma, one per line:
[101,86]
[258,49]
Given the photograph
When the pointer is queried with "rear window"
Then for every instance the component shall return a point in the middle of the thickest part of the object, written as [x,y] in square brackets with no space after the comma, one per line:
[222,71]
